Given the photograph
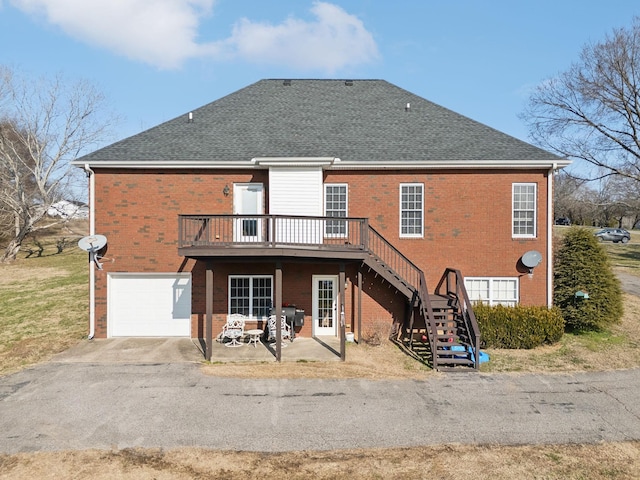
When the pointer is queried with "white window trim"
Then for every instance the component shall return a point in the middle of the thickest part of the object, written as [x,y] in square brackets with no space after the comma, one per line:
[492,300]
[410,235]
[251,277]
[535,210]
[346,207]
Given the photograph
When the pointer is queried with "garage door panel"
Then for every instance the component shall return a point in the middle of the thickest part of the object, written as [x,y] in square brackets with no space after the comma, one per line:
[146,305]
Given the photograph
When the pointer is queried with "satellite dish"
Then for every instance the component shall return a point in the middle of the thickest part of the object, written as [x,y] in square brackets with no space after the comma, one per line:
[531,259]
[93,244]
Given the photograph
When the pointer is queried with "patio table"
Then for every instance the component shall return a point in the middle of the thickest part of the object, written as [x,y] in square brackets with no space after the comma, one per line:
[254,336]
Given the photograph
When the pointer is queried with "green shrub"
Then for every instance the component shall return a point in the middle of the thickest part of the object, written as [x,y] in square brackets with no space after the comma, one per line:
[582,264]
[519,326]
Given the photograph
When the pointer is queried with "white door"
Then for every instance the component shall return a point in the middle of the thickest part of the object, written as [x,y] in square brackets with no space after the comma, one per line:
[325,305]
[247,200]
[149,305]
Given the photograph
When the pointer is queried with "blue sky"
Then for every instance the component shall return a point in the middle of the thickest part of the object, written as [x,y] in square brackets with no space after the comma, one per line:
[157,59]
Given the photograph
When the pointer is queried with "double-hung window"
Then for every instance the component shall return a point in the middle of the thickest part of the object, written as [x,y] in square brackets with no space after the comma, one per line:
[493,290]
[411,210]
[251,295]
[335,205]
[524,210]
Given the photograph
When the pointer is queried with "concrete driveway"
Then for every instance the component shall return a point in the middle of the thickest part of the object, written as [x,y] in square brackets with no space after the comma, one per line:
[133,350]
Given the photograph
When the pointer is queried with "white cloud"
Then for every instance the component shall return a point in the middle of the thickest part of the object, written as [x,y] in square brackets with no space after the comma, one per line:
[336,39]
[159,32]
[164,33]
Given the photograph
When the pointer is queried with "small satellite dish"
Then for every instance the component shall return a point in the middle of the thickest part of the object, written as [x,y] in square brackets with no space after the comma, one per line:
[93,244]
[531,259]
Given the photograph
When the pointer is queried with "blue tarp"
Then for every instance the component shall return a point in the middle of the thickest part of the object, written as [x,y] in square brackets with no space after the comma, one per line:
[484,357]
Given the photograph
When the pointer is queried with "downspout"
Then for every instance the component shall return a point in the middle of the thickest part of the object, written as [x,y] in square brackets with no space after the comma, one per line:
[550,235]
[92,265]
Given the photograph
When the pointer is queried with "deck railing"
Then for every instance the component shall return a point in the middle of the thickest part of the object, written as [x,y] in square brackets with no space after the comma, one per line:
[338,233]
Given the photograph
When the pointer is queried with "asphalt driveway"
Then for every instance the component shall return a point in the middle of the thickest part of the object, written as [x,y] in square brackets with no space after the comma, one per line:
[81,405]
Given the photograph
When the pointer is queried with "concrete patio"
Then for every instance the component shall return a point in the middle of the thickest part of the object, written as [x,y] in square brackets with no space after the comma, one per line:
[181,350]
[316,349]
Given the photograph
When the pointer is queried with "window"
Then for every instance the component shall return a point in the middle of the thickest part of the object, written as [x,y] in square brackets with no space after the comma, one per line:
[411,209]
[251,295]
[335,205]
[492,291]
[524,210]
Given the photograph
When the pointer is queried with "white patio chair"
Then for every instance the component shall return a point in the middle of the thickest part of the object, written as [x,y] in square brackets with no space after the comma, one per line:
[233,329]
[272,328]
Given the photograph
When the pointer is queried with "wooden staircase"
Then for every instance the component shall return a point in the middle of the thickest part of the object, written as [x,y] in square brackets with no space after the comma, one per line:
[445,317]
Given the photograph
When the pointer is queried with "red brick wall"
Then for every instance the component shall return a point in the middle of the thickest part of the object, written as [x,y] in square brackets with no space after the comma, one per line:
[467,217]
[467,226]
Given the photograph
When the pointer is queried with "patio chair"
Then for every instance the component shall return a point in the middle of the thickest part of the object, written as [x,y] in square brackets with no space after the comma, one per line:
[233,329]
[272,327]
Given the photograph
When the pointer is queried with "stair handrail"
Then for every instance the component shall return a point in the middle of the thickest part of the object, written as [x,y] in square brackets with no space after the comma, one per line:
[455,288]
[392,258]
[425,304]
[418,282]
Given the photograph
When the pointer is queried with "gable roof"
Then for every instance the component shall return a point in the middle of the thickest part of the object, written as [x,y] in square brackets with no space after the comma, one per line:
[364,123]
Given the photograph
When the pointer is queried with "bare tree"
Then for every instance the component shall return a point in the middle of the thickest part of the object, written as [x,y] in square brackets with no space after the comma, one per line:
[591,112]
[44,124]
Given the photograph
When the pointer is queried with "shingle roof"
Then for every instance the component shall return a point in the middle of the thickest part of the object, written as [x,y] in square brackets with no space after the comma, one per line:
[357,121]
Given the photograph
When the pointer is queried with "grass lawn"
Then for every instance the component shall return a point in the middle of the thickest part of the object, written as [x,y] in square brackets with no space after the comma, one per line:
[43,301]
[44,304]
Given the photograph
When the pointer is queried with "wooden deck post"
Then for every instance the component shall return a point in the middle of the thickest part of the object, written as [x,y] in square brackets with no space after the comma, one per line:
[341,282]
[359,306]
[209,309]
[278,311]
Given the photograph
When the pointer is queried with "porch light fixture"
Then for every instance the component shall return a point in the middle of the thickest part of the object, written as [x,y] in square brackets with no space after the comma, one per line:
[225,191]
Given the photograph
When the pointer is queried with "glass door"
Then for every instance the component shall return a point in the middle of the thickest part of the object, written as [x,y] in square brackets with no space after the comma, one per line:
[325,305]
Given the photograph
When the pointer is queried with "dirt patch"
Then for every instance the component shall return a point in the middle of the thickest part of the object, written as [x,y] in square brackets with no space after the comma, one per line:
[606,461]
[385,361]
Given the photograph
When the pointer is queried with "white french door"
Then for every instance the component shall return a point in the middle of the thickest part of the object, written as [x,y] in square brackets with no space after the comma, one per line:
[248,201]
[325,305]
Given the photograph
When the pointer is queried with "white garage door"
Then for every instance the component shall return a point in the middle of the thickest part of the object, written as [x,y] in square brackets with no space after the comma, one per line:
[149,305]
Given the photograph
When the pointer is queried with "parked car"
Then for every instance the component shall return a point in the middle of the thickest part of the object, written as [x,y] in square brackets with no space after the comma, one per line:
[614,235]
[563,221]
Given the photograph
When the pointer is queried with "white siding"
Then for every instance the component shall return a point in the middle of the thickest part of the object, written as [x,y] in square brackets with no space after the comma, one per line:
[149,305]
[295,191]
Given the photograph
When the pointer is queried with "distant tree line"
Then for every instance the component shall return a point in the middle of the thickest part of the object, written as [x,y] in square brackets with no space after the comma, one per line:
[612,201]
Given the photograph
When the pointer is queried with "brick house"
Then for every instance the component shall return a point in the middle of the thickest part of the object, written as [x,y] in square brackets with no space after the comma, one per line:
[356,201]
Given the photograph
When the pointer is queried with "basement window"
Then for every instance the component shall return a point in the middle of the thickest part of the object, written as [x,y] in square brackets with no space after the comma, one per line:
[251,295]
[493,290]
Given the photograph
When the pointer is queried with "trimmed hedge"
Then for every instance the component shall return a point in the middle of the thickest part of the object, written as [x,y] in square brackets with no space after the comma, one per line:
[518,327]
